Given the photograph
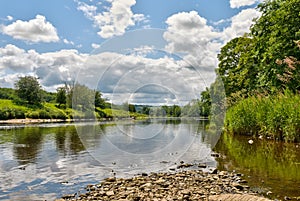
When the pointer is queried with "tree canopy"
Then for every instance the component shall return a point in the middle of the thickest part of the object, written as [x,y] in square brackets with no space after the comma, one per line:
[29,90]
[266,59]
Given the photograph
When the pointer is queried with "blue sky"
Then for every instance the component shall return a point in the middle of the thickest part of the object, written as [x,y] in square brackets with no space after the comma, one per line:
[60,40]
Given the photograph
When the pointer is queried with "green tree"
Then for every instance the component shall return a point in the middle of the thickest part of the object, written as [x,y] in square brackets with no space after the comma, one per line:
[274,34]
[235,68]
[83,98]
[205,103]
[146,110]
[61,97]
[99,101]
[29,90]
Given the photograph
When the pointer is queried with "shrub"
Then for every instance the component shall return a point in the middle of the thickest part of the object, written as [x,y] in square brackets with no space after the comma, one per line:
[32,114]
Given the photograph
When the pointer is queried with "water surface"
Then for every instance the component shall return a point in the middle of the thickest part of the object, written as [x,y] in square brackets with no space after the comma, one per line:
[45,161]
[270,167]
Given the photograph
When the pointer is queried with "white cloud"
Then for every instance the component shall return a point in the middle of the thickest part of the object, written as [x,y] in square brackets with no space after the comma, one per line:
[66,41]
[240,24]
[95,46]
[199,44]
[189,33]
[88,10]
[9,18]
[240,3]
[53,68]
[115,19]
[130,78]
[34,30]
[15,60]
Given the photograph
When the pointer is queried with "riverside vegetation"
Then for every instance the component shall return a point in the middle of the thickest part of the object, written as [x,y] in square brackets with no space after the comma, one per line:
[261,76]
[76,101]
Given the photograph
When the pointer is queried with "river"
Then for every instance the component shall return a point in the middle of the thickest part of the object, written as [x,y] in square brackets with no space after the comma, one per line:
[46,161]
[270,167]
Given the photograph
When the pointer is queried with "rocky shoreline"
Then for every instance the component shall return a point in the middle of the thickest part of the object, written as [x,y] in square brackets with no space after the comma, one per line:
[181,185]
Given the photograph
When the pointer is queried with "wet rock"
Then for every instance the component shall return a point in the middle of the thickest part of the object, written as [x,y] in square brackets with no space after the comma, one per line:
[110,179]
[202,165]
[184,165]
[68,196]
[287,198]
[216,155]
[214,171]
[181,185]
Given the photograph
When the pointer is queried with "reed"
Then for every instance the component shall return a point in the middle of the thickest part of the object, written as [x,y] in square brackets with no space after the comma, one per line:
[276,117]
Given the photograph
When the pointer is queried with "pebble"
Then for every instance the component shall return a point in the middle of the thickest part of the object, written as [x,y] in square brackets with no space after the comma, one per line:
[181,185]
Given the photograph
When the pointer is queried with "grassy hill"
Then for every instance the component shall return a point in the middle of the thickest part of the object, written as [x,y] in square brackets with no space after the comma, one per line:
[11,110]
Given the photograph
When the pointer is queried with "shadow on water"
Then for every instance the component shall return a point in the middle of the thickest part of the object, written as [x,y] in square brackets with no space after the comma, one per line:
[268,166]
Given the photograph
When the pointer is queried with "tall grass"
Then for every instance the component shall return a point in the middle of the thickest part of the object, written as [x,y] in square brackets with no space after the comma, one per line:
[275,116]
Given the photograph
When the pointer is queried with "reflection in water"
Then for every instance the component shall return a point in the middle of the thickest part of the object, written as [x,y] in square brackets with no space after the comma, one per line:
[27,143]
[48,160]
[271,166]
[130,147]
[68,141]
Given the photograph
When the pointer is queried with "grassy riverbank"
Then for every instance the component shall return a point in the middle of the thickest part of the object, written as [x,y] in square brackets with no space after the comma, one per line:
[276,116]
[10,110]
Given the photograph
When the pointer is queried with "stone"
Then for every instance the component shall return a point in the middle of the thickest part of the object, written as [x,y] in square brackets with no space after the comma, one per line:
[202,165]
[110,193]
[110,179]
[181,185]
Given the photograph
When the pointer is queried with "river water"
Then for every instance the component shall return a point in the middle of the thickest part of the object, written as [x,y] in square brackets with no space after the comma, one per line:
[46,161]
[270,167]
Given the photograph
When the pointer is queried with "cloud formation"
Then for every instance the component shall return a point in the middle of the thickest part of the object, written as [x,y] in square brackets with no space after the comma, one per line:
[115,19]
[53,68]
[35,30]
[147,74]
[240,3]
[240,24]
[188,33]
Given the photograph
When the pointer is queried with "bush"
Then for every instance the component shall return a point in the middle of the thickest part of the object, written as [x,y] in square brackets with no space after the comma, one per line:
[4,115]
[32,114]
[43,114]
[11,113]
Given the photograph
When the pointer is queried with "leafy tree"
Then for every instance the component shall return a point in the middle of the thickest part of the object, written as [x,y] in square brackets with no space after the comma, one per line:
[83,98]
[69,88]
[29,90]
[48,97]
[99,101]
[146,110]
[235,69]
[290,78]
[274,34]
[131,108]
[264,61]
[61,97]
[205,103]
[7,93]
